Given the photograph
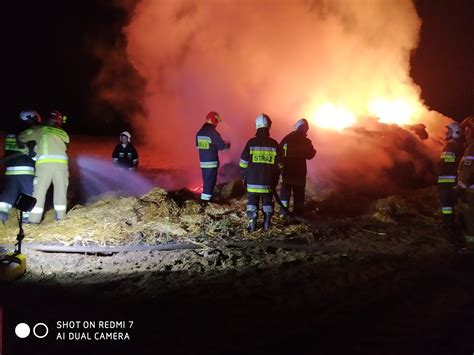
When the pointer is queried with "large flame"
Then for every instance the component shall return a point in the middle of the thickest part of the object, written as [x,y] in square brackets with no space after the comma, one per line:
[398,111]
[333,117]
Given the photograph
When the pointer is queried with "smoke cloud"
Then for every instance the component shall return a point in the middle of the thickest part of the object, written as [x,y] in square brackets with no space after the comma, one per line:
[289,59]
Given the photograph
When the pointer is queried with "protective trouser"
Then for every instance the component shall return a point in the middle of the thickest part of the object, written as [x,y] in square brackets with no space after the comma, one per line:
[447,197]
[253,206]
[298,197]
[14,185]
[47,174]
[209,179]
[466,217]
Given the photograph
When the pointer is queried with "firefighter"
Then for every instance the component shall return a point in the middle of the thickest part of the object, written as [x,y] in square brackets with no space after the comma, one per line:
[448,165]
[296,149]
[208,143]
[465,186]
[125,155]
[20,167]
[260,162]
[51,164]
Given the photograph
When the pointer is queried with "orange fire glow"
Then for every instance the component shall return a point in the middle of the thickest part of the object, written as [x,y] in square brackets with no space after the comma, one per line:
[333,117]
[400,111]
[338,117]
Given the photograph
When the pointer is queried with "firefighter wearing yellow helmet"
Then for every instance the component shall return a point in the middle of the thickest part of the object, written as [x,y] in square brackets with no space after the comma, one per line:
[465,185]
[51,164]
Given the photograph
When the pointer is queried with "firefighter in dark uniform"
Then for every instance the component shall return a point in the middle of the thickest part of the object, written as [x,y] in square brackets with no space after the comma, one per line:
[125,155]
[260,162]
[296,148]
[19,171]
[448,165]
[208,143]
[465,187]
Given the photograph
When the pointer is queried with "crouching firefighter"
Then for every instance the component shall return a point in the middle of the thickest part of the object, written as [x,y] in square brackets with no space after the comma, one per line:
[208,143]
[19,165]
[260,162]
[51,165]
[465,186]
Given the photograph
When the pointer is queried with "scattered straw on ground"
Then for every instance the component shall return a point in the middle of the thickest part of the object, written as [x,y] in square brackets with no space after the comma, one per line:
[156,218]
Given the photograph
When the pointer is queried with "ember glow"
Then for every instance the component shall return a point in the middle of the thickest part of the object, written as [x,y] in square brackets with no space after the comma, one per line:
[340,63]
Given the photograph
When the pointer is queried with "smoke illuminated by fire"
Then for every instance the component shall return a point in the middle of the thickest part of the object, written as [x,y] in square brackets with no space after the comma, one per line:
[339,63]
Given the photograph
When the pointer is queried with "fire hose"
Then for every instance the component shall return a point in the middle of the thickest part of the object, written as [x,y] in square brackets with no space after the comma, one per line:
[93,249]
[285,208]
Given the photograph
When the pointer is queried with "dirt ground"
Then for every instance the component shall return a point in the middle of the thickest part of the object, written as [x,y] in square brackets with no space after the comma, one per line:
[378,275]
[393,227]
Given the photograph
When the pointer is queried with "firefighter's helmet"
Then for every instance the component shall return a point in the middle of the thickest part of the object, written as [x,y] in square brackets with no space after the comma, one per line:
[468,126]
[302,125]
[455,130]
[57,118]
[30,117]
[263,120]
[126,134]
[213,118]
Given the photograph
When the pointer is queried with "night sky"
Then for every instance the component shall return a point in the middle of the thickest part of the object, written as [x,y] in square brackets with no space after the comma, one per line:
[48,62]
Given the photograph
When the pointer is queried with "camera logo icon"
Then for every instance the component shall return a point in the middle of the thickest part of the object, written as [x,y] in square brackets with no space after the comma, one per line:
[23,330]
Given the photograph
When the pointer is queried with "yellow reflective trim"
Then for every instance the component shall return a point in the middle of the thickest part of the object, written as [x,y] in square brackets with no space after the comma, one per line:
[20,172]
[243,165]
[203,144]
[263,156]
[51,160]
[258,190]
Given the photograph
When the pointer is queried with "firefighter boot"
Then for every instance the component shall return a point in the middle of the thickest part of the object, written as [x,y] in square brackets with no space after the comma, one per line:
[253,217]
[3,217]
[267,221]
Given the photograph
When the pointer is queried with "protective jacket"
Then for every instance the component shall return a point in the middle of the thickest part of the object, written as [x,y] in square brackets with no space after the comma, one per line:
[209,142]
[19,174]
[450,158]
[466,168]
[50,144]
[261,162]
[51,168]
[448,165]
[21,165]
[126,157]
[296,148]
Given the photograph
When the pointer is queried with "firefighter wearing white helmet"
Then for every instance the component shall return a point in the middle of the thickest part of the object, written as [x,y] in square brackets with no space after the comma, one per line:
[51,164]
[260,162]
[19,165]
[124,154]
[465,186]
[296,148]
